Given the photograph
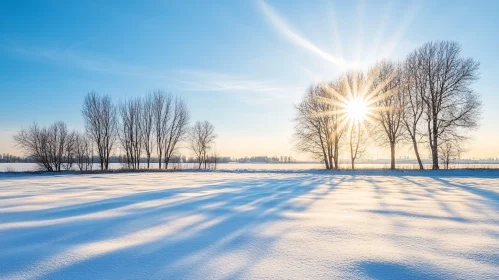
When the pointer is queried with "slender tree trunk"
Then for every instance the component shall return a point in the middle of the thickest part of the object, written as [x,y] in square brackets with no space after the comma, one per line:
[336,140]
[434,147]
[416,151]
[392,154]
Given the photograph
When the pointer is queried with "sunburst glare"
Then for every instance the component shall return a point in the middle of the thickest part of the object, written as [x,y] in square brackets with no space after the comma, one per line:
[357,109]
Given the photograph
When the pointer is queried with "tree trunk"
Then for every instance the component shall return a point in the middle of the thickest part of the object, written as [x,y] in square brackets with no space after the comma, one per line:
[392,154]
[326,162]
[336,140]
[416,151]
[434,146]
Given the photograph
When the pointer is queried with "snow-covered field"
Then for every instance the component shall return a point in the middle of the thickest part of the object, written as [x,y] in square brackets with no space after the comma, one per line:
[251,225]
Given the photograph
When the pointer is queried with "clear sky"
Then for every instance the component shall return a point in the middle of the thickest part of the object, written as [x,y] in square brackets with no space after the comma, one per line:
[241,65]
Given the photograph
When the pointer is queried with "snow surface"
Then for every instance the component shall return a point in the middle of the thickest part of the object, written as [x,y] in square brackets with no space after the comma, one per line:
[251,225]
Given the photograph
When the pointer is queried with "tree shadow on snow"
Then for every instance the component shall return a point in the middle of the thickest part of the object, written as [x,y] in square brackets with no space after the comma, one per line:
[232,215]
[395,271]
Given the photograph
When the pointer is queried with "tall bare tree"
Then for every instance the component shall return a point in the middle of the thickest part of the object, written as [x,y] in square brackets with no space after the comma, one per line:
[387,100]
[176,129]
[101,121]
[413,88]
[148,126]
[130,132]
[162,109]
[451,106]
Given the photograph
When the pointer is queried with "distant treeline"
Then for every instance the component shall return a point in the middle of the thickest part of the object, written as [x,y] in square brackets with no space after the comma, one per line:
[7,158]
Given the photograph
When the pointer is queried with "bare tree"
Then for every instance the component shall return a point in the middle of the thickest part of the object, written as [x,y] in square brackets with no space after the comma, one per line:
[130,132]
[201,137]
[101,121]
[413,87]
[148,126]
[34,141]
[213,159]
[48,146]
[449,151]
[176,129]
[162,104]
[387,98]
[451,107]
[83,152]
[319,128]
[69,150]
[58,134]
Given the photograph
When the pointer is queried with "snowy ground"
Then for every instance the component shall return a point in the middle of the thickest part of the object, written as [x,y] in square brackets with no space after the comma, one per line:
[226,225]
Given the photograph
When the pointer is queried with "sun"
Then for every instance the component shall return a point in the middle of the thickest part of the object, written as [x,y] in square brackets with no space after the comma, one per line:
[356,109]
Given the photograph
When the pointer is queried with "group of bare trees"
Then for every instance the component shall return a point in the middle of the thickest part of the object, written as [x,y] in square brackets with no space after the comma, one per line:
[425,101]
[136,127]
[55,148]
[158,122]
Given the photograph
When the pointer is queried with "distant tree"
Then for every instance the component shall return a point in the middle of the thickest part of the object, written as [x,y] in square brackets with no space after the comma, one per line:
[101,123]
[451,107]
[201,137]
[83,152]
[69,150]
[448,152]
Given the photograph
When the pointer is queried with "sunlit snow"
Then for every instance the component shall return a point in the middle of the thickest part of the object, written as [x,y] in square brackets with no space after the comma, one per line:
[251,225]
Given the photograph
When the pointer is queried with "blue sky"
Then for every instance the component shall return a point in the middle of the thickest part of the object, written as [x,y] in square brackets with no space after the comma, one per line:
[238,64]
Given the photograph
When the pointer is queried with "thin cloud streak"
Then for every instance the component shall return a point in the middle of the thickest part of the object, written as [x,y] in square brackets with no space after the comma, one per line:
[194,80]
[72,59]
[292,35]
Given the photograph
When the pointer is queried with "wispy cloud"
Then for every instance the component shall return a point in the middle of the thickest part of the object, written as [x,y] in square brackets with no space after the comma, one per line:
[195,80]
[67,57]
[184,80]
[286,30]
